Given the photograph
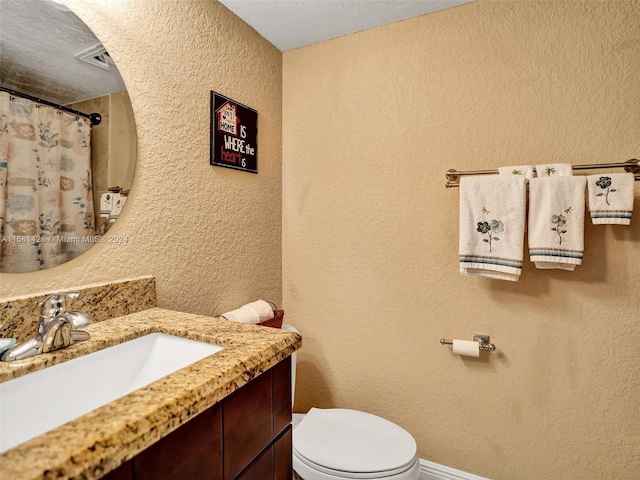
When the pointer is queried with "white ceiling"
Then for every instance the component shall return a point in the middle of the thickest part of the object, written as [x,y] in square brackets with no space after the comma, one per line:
[290,24]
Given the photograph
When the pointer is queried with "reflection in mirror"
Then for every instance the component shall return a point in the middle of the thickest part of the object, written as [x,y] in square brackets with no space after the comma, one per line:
[63,180]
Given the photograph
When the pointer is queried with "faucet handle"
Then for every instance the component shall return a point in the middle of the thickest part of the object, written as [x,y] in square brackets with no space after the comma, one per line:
[78,319]
[55,304]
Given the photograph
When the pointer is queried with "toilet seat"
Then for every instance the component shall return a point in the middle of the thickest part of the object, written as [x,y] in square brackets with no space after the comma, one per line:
[307,472]
[348,444]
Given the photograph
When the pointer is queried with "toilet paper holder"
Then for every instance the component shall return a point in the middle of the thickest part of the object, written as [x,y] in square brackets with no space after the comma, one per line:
[483,342]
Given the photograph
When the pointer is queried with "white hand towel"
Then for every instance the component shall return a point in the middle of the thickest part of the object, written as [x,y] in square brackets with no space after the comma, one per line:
[492,218]
[556,222]
[262,308]
[525,170]
[554,170]
[611,198]
[244,314]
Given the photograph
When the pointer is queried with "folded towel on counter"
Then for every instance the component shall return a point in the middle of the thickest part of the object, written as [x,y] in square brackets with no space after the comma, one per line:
[492,219]
[611,198]
[525,170]
[556,222]
[554,170]
[254,312]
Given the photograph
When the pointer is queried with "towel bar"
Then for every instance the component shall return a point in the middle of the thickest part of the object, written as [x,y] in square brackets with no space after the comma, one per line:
[631,166]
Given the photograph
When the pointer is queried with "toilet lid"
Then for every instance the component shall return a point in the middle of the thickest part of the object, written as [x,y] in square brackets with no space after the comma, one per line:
[352,441]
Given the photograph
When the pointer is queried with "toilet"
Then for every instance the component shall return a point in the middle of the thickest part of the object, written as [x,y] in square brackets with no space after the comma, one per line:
[342,444]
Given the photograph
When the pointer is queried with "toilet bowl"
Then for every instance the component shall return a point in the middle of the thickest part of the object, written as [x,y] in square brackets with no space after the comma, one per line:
[342,444]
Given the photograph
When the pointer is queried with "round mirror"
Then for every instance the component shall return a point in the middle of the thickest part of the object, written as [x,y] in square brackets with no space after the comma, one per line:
[67,137]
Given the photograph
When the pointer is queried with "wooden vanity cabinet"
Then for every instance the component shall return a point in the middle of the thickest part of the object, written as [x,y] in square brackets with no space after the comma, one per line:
[246,436]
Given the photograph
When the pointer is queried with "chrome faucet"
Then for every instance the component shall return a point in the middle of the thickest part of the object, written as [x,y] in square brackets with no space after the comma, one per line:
[57,328]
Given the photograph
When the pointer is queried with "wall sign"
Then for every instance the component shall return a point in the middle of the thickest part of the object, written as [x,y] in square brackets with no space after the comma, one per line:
[234,134]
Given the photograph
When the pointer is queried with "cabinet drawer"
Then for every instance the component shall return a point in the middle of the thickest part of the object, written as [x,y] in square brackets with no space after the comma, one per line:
[247,426]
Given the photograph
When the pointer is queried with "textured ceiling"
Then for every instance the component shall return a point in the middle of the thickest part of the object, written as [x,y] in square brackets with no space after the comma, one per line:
[290,24]
[38,41]
[39,38]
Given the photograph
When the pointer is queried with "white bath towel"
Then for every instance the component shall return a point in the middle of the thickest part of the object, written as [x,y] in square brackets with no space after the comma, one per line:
[492,219]
[611,198]
[556,222]
[554,170]
[525,170]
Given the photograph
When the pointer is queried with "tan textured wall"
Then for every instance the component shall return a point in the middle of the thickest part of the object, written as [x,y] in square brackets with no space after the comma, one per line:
[371,123]
[211,236]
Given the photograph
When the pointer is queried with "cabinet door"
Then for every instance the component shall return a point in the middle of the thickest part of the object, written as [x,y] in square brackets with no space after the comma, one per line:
[193,451]
[282,461]
[247,426]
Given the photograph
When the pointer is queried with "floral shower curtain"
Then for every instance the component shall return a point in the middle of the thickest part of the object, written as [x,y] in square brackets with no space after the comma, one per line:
[46,209]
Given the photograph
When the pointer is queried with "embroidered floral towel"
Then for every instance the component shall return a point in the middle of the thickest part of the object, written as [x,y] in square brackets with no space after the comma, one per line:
[611,198]
[492,219]
[524,170]
[556,222]
[554,170]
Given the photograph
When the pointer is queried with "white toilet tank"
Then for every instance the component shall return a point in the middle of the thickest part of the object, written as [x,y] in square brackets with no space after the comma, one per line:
[293,364]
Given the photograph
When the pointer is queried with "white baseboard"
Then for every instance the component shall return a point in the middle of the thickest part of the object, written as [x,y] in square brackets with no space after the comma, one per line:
[435,471]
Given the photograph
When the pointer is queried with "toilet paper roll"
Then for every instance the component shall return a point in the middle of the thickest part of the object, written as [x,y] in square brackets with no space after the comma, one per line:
[469,348]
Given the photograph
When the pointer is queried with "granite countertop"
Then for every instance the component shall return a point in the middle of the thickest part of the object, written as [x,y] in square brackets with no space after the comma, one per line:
[99,441]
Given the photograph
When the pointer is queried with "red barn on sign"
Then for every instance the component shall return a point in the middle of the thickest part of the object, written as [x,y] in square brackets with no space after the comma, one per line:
[228,120]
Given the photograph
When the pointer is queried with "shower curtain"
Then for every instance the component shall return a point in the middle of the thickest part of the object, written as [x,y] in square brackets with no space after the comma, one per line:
[46,207]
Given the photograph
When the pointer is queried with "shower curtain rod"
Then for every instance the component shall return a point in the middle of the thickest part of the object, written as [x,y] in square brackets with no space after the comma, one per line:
[94,118]
[631,166]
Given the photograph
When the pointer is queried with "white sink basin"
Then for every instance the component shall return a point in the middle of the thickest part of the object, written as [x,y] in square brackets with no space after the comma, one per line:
[38,402]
